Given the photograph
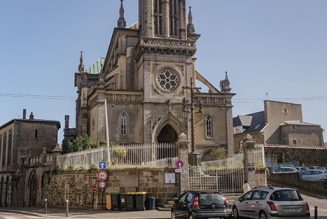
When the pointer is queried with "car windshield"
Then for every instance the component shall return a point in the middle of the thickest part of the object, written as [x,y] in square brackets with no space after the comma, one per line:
[211,198]
[286,195]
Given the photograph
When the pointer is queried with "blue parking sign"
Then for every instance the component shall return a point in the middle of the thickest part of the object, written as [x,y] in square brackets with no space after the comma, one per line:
[102,165]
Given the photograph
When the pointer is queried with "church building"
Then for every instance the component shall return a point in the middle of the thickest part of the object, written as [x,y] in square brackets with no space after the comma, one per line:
[147,86]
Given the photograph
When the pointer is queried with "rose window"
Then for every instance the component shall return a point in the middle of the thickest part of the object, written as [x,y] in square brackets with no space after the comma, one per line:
[168,79]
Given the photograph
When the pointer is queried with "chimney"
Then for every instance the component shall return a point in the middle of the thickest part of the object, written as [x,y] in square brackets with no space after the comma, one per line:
[24,113]
[31,115]
[66,121]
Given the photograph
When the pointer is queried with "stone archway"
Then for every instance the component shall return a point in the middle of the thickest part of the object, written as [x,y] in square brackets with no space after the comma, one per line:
[167,125]
[167,135]
[32,187]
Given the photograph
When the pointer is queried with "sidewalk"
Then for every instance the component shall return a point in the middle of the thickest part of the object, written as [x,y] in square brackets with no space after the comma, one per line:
[89,214]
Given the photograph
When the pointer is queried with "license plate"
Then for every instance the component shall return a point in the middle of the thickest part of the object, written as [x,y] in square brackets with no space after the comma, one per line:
[292,210]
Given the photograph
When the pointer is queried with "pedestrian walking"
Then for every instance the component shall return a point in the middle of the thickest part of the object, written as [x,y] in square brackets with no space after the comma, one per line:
[246,186]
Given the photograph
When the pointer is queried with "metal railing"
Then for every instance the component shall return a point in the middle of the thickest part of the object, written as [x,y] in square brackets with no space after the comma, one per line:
[225,180]
[309,147]
[121,155]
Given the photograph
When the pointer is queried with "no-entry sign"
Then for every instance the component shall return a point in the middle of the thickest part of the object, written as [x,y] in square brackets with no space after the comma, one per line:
[102,175]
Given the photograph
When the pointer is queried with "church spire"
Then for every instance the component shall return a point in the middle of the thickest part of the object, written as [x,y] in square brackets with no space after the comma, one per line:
[191,34]
[121,23]
[190,25]
[81,65]
[225,84]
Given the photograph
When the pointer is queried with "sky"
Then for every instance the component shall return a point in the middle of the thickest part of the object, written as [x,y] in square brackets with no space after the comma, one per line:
[274,50]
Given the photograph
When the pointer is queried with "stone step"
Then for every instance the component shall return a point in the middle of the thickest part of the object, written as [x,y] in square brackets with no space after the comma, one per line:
[171,203]
[164,209]
[167,206]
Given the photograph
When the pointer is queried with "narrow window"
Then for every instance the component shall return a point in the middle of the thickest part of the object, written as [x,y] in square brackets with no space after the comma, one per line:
[35,133]
[1,149]
[123,124]
[9,147]
[174,12]
[294,142]
[4,152]
[209,127]
[158,18]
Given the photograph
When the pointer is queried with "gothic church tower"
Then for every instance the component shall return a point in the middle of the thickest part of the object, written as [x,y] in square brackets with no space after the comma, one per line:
[148,80]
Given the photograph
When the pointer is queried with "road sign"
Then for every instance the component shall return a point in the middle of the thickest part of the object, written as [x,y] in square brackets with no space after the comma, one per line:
[102,165]
[181,170]
[102,184]
[102,175]
[179,164]
[94,189]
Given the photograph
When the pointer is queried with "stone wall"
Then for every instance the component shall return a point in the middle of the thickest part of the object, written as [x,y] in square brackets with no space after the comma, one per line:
[306,157]
[77,186]
[292,180]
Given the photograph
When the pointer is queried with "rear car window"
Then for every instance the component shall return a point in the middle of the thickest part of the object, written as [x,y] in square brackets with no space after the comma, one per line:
[210,198]
[286,195]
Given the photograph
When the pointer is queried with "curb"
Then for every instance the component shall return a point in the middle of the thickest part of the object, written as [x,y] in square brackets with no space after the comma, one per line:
[22,212]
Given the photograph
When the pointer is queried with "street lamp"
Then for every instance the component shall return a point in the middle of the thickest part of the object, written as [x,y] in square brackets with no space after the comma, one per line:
[107,128]
[194,158]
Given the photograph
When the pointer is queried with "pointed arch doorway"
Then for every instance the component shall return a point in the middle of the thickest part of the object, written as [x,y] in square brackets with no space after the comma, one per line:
[32,190]
[166,137]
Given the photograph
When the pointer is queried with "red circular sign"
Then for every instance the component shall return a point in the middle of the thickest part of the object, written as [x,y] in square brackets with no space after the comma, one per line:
[179,164]
[94,189]
[102,175]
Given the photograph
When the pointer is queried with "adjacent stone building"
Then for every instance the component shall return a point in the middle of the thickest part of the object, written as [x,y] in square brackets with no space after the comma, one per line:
[21,139]
[279,123]
[148,84]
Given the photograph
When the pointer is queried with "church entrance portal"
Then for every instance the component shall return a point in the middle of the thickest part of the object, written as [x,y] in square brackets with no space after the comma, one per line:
[32,191]
[167,135]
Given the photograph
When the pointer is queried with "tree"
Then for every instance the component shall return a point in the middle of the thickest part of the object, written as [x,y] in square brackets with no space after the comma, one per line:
[81,142]
[214,154]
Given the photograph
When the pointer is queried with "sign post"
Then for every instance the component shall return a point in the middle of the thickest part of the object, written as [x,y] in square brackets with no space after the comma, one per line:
[102,175]
[102,165]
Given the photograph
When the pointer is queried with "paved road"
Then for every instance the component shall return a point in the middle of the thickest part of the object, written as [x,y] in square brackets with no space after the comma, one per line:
[9,215]
[320,202]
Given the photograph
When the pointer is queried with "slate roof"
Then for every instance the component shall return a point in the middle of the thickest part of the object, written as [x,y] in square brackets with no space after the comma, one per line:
[257,122]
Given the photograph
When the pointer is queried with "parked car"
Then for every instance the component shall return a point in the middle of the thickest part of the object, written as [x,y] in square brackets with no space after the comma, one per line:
[317,168]
[271,203]
[285,170]
[196,204]
[301,169]
[313,175]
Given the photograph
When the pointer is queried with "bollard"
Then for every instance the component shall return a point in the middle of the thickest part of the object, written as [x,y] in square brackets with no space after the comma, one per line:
[316,212]
[46,205]
[67,207]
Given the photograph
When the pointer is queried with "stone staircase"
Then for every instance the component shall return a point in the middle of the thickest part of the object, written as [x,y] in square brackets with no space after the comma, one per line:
[167,206]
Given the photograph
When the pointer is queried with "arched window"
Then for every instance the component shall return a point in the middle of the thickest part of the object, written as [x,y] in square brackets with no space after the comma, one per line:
[158,18]
[174,10]
[123,124]
[209,127]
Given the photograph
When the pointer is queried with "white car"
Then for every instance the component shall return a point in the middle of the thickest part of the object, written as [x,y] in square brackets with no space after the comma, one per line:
[313,175]
[285,170]
[317,168]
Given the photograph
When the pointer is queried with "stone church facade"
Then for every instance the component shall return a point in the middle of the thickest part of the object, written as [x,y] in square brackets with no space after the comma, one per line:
[148,82]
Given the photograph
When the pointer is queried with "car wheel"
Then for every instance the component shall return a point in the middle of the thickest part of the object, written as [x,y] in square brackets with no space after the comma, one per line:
[235,213]
[173,215]
[262,215]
